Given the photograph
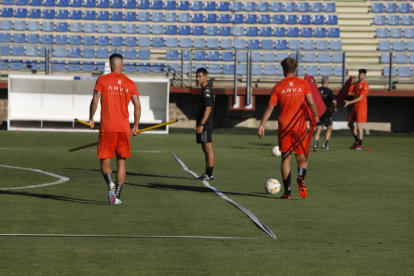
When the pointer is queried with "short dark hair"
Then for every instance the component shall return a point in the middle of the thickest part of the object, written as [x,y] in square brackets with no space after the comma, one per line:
[202,71]
[362,71]
[289,65]
[115,56]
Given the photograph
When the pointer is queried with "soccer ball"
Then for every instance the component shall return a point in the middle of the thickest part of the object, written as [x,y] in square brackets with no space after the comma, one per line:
[272,186]
[276,151]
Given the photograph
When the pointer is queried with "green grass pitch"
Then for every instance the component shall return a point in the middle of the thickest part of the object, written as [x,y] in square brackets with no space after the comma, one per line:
[358,218]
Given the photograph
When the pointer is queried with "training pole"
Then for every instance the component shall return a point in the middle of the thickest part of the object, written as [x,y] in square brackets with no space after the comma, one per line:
[137,132]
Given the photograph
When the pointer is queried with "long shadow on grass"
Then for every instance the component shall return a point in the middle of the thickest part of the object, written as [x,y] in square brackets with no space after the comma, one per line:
[134,174]
[199,189]
[55,197]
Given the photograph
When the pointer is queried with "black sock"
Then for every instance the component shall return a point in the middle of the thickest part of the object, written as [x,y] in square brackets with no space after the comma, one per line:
[209,171]
[118,190]
[302,173]
[356,138]
[360,142]
[286,184]
[325,143]
[108,178]
[316,144]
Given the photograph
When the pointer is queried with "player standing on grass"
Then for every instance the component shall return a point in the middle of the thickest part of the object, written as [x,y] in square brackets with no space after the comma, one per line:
[291,94]
[115,90]
[359,113]
[204,126]
[329,99]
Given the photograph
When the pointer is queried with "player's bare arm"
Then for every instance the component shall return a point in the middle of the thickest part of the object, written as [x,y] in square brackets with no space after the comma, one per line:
[334,107]
[353,101]
[137,113]
[94,105]
[266,116]
[312,105]
[207,111]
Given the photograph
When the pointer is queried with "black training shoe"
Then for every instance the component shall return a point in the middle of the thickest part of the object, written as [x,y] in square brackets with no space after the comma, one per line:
[205,177]
[315,148]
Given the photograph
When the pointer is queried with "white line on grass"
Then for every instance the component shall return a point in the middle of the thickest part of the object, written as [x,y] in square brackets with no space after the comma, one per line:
[61,180]
[123,236]
[139,151]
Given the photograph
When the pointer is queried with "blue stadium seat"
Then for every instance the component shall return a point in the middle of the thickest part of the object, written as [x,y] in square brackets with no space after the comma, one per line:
[320,32]
[185,42]
[331,20]
[48,27]
[212,43]
[171,17]
[102,40]
[103,15]
[144,67]
[384,46]
[227,56]
[16,65]
[305,20]
[401,58]
[214,69]
[335,45]
[157,42]
[251,31]
[277,7]
[117,4]
[143,29]
[407,20]
[251,19]
[199,55]
[322,45]
[264,19]
[33,26]
[398,45]
[211,18]
[185,30]
[157,29]
[21,13]
[19,38]
[238,18]
[171,55]
[319,20]
[74,53]
[59,52]
[173,68]
[236,6]
[62,14]
[312,70]
[324,58]
[184,17]
[116,28]
[197,6]
[316,7]
[393,20]
[155,16]
[75,27]
[337,57]
[116,41]
[224,18]
[386,71]
[158,68]
[88,40]
[379,20]
[155,5]
[198,30]
[280,32]
[5,25]
[265,31]
[226,43]
[184,5]
[171,29]
[33,38]
[294,45]
[253,44]
[88,66]
[404,72]
[391,7]
[144,54]
[211,31]
[61,39]
[303,7]
[143,16]
[210,6]
[308,45]
[250,6]
[90,3]
[185,55]
[116,16]
[267,44]
[102,53]
[170,5]
[309,57]
[76,3]
[280,44]
[132,28]
[5,50]
[31,64]
[268,57]
[198,43]
[90,27]
[62,27]
[409,33]
[270,70]
[31,3]
[396,33]
[228,69]
[291,19]
[62,3]
[76,14]
[19,25]
[7,12]
[130,4]
[256,57]
[238,31]
[385,58]
[301,70]
[18,2]
[239,43]
[75,40]
[306,32]
[171,42]
[74,66]
[256,70]
[377,8]
[47,39]
[289,6]
[130,54]
[280,70]
[225,31]
[4,64]
[325,70]
[330,7]
[404,8]
[333,32]
[263,6]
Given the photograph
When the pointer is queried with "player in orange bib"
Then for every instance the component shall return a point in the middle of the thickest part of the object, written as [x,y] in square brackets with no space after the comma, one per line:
[359,113]
[116,91]
[290,94]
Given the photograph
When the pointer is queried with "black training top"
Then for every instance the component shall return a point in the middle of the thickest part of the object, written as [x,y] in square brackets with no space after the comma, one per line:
[327,96]
[207,99]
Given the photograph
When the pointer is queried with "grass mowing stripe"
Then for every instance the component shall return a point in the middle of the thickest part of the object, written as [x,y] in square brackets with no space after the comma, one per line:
[123,236]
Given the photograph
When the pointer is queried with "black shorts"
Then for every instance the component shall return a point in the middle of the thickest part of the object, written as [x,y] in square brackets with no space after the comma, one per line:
[326,120]
[204,137]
